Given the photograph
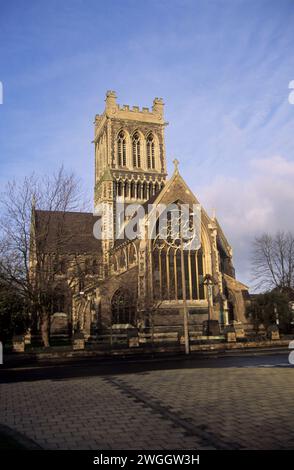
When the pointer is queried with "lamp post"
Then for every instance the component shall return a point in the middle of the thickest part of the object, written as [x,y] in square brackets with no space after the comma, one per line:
[185,308]
[276,315]
[208,282]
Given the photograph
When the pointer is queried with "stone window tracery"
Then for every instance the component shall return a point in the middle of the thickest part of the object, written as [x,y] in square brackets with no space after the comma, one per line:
[150,151]
[167,267]
[123,307]
[136,150]
[121,149]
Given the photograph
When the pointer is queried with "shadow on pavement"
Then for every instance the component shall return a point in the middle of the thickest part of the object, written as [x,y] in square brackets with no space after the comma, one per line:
[92,367]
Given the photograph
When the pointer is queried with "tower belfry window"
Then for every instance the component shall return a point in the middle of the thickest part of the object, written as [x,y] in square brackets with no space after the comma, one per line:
[136,151]
[150,152]
[121,149]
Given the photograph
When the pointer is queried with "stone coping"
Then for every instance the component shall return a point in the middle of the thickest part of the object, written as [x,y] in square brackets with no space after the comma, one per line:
[140,353]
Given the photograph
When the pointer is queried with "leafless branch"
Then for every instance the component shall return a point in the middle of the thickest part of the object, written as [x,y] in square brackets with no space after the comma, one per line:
[273,261]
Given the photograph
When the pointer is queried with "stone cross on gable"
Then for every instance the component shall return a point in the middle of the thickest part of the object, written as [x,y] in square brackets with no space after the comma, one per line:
[176,163]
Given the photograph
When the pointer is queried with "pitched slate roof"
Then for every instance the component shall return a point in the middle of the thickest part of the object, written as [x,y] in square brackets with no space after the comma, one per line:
[66,232]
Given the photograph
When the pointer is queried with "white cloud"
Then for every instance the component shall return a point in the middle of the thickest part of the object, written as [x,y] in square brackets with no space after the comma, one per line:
[246,208]
[275,165]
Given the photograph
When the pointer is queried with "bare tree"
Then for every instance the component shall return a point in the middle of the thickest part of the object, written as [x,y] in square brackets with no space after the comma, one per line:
[23,262]
[273,261]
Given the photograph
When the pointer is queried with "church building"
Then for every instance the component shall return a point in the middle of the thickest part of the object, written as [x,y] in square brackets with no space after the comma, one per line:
[116,283]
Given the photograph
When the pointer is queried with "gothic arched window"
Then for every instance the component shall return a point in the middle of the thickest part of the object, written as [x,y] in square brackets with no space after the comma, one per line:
[121,149]
[144,190]
[170,263]
[150,151]
[119,188]
[126,188]
[133,189]
[122,307]
[132,254]
[136,150]
[150,189]
[167,274]
[139,190]
[122,260]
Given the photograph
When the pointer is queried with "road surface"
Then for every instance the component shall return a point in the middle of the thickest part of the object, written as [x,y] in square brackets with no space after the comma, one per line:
[240,401]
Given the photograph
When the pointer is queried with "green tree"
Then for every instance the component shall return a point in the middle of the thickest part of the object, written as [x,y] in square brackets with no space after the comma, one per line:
[14,318]
[267,307]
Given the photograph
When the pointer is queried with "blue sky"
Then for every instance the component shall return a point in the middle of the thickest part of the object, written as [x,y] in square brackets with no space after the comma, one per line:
[222,67]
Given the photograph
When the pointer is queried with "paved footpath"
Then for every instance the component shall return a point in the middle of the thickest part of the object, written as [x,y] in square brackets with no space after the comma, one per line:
[188,406]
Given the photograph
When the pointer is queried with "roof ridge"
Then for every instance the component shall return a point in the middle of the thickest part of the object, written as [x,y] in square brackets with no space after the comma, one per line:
[65,212]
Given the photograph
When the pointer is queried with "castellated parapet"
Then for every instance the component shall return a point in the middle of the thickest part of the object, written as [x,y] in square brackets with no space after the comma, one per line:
[113,110]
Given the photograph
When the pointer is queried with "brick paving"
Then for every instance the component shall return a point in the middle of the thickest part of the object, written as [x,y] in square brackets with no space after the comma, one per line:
[247,408]
[187,408]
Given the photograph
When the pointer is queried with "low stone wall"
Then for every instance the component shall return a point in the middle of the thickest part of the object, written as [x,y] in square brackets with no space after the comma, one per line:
[143,352]
[240,345]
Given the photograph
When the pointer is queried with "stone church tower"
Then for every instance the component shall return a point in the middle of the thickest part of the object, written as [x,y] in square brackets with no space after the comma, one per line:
[130,160]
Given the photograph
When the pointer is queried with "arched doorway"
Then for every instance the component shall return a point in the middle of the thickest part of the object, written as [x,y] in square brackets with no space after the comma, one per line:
[123,307]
